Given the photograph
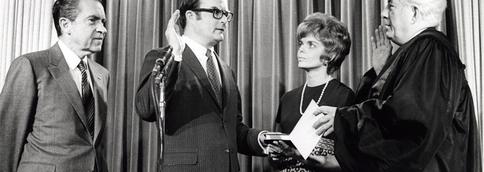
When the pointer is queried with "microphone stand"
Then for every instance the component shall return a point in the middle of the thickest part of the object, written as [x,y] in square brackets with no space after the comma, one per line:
[159,74]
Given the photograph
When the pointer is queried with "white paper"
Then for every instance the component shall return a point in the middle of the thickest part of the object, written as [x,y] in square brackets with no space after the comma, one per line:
[304,136]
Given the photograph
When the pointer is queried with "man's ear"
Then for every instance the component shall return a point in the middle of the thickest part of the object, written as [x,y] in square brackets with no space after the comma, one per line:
[65,25]
[189,14]
[415,14]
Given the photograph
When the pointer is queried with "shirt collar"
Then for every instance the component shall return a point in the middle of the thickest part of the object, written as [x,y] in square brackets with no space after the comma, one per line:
[71,58]
[197,48]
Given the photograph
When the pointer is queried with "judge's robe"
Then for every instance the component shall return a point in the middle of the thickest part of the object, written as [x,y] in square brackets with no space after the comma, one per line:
[416,115]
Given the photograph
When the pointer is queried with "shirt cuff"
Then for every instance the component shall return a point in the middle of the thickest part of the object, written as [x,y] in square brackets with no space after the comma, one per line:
[177,58]
[262,145]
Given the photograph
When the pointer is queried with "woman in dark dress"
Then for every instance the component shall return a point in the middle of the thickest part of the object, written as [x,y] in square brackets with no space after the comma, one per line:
[323,45]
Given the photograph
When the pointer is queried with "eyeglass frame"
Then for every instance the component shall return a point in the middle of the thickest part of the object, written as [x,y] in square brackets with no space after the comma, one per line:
[214,11]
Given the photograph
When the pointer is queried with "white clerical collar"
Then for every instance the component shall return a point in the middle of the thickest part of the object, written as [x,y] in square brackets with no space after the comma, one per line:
[197,48]
[71,58]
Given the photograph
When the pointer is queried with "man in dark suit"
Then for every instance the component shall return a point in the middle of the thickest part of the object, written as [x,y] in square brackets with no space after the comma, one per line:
[53,104]
[204,129]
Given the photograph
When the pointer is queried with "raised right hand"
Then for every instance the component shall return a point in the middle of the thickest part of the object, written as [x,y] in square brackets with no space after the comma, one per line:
[172,34]
[381,48]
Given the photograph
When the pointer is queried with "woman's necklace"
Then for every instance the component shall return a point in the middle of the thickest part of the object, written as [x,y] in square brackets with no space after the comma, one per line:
[320,96]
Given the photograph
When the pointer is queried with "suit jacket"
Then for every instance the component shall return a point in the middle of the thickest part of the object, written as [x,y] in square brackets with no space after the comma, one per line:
[201,135]
[42,119]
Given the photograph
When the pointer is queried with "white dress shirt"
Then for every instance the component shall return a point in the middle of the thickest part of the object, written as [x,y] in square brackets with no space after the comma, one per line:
[200,51]
[73,61]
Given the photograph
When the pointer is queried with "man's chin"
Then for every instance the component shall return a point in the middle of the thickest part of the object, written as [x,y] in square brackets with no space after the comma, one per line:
[96,47]
[219,38]
[93,49]
[390,34]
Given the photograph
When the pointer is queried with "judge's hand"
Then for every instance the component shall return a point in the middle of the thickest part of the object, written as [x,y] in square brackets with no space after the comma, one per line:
[172,34]
[279,150]
[324,125]
[381,48]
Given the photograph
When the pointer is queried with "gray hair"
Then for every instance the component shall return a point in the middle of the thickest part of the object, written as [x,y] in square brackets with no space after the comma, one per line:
[432,10]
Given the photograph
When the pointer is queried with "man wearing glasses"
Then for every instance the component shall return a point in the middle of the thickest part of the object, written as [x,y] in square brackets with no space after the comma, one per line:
[204,129]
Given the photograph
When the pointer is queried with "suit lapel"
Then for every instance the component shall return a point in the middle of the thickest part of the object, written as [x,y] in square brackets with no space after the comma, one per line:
[97,82]
[60,71]
[192,62]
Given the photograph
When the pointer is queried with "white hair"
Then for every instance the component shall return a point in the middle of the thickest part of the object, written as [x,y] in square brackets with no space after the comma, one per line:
[432,10]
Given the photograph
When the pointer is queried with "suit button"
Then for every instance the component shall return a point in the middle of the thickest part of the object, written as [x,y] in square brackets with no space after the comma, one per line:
[227,150]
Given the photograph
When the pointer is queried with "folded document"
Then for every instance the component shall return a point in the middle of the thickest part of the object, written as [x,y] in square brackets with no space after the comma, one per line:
[303,136]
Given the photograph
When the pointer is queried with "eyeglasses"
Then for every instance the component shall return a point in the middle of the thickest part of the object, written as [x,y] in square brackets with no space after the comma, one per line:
[217,13]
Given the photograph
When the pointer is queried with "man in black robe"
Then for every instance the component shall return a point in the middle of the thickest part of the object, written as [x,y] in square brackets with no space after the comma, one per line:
[417,113]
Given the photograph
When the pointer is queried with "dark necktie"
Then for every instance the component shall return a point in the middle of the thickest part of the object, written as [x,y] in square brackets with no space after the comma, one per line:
[87,99]
[213,77]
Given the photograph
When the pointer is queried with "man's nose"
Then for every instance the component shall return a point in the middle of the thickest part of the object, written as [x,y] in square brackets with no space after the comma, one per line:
[101,28]
[224,19]
[384,13]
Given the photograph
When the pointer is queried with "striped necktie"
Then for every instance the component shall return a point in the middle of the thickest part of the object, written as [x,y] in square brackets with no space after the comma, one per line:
[87,99]
[213,77]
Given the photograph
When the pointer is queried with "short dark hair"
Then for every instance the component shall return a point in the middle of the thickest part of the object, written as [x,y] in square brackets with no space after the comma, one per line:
[184,6]
[65,8]
[332,33]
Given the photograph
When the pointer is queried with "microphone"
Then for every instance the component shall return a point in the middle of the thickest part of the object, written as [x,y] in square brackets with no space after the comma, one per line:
[163,58]
[160,61]
[166,57]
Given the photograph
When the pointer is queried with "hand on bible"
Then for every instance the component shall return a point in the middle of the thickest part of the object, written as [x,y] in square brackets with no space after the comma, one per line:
[324,125]
[381,48]
[281,150]
[172,34]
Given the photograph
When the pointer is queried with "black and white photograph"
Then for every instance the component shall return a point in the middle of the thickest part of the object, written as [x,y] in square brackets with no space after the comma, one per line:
[241,85]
